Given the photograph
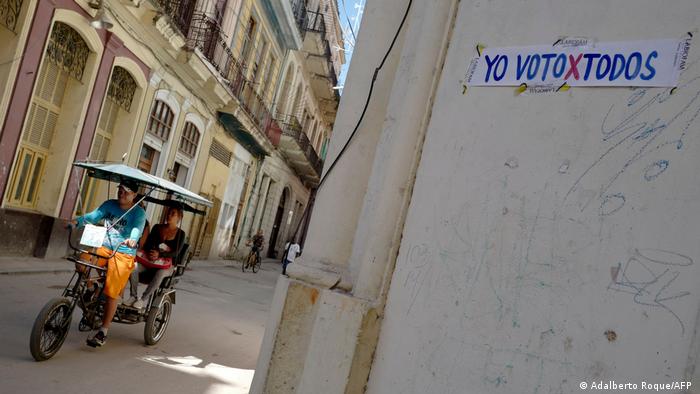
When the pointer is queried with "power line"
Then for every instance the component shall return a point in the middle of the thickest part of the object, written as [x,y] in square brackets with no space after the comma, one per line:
[345,12]
[369,95]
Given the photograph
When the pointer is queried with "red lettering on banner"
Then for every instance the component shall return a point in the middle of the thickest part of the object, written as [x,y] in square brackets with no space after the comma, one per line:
[574,66]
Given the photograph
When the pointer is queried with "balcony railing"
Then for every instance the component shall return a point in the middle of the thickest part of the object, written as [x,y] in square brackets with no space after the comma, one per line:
[312,21]
[299,10]
[180,12]
[291,128]
[205,34]
[315,22]
[254,105]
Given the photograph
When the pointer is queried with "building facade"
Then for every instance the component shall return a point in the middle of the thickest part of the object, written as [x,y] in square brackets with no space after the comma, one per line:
[185,90]
[480,240]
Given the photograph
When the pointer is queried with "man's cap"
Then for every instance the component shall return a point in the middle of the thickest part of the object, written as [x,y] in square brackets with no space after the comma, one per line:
[129,184]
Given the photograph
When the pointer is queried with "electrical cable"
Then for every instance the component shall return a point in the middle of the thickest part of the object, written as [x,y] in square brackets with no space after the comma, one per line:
[369,97]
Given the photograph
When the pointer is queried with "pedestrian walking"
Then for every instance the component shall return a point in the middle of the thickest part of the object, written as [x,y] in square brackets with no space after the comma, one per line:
[291,251]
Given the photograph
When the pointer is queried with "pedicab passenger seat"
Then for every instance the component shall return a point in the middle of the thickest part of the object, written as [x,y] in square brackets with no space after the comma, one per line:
[180,265]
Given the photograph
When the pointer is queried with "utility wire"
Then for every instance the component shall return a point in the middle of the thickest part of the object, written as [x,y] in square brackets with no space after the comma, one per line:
[369,96]
[345,12]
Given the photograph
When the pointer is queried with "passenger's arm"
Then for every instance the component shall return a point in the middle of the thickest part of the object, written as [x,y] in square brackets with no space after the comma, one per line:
[179,242]
[144,236]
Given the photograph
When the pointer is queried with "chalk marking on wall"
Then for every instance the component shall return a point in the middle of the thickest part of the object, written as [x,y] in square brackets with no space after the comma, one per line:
[635,131]
[660,269]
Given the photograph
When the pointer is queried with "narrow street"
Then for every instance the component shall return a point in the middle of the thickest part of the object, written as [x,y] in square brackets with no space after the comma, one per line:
[211,345]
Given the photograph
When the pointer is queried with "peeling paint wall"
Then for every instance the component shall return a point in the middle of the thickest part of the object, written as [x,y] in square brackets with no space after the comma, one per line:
[285,370]
[551,239]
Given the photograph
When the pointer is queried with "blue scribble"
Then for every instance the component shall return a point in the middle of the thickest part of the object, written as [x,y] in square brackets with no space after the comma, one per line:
[612,203]
[655,169]
[648,275]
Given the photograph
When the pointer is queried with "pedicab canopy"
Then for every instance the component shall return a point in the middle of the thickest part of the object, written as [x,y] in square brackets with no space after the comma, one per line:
[117,172]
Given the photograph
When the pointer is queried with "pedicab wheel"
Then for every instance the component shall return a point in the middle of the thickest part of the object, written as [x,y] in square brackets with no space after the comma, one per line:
[50,329]
[157,322]
[256,264]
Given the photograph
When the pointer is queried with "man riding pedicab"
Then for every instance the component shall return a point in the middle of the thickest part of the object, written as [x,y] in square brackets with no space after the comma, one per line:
[125,223]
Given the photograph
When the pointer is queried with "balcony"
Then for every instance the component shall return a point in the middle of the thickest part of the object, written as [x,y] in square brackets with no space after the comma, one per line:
[254,105]
[319,56]
[180,13]
[297,148]
[203,34]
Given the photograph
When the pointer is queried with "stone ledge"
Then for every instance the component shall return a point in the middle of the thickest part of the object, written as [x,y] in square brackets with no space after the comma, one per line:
[321,275]
[169,32]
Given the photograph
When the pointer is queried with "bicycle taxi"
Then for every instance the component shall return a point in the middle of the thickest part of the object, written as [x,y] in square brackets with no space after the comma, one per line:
[86,285]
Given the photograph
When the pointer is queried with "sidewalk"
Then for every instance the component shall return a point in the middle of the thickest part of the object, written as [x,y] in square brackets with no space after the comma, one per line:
[32,265]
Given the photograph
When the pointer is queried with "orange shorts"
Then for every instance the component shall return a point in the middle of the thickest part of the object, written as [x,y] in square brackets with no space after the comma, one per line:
[119,268]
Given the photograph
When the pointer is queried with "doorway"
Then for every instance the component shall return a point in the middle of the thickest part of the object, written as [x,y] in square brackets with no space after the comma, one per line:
[271,252]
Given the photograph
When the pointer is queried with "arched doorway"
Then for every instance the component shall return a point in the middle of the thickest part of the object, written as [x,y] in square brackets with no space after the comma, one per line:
[48,139]
[111,135]
[278,223]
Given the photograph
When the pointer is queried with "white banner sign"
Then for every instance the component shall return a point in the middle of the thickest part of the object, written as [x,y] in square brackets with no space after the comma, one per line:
[656,63]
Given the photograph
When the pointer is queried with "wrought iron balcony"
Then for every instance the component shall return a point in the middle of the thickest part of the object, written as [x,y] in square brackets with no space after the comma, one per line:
[256,107]
[315,22]
[180,12]
[206,35]
[295,145]
[9,13]
[299,10]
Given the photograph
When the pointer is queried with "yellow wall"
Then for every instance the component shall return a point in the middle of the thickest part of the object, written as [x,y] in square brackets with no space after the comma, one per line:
[263,30]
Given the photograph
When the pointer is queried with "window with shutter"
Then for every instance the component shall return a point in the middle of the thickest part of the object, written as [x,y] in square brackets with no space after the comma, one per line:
[218,151]
[189,140]
[64,59]
[161,121]
[120,94]
[248,38]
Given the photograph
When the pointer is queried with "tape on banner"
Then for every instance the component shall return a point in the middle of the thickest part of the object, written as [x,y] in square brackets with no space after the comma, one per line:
[564,87]
[521,89]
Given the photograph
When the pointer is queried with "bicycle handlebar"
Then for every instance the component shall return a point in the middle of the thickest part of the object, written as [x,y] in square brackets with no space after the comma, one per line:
[70,243]
[76,261]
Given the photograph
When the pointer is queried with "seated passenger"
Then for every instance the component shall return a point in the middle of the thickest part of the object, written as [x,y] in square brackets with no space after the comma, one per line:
[163,246]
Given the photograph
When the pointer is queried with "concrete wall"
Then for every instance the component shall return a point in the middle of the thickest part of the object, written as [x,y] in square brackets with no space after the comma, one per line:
[537,253]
